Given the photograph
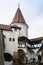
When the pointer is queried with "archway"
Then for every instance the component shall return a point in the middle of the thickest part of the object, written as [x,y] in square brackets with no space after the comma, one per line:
[22,56]
[8,57]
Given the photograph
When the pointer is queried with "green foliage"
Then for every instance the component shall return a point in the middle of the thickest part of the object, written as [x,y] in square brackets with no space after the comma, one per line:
[42,41]
[22,55]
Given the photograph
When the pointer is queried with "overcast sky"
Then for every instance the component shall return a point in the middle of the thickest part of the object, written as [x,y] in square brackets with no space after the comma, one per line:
[32,11]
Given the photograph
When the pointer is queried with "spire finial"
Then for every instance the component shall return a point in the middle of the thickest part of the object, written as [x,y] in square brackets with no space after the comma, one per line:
[18,5]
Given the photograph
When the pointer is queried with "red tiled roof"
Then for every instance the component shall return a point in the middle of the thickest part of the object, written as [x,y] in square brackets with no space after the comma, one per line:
[5,27]
[8,27]
[18,18]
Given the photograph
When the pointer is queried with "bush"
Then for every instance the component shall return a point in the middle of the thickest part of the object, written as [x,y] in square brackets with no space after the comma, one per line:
[21,55]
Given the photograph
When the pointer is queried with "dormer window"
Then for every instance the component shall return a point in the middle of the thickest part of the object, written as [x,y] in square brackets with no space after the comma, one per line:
[15,29]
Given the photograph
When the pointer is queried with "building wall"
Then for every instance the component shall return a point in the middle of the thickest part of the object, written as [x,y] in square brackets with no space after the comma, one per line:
[11,46]
[31,56]
[24,29]
[1,50]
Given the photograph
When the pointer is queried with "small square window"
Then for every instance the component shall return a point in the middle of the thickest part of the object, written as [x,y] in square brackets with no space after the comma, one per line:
[13,39]
[9,39]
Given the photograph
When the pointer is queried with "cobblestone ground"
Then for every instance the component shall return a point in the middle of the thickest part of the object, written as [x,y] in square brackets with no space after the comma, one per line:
[27,64]
[32,64]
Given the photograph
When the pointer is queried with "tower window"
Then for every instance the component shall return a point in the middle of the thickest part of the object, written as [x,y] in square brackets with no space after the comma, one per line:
[15,29]
[13,39]
[9,39]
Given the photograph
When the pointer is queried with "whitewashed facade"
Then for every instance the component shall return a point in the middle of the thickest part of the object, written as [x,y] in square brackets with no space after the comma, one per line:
[12,32]
[11,46]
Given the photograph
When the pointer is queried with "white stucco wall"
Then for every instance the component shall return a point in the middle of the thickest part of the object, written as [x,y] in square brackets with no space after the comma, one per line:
[22,32]
[24,29]
[11,46]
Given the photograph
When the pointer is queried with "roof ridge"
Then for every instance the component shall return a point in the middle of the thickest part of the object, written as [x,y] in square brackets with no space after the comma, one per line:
[18,18]
[38,38]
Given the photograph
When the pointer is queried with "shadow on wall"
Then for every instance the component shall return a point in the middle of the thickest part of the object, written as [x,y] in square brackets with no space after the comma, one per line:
[8,57]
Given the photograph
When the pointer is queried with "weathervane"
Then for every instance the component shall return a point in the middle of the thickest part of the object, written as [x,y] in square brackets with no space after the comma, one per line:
[18,5]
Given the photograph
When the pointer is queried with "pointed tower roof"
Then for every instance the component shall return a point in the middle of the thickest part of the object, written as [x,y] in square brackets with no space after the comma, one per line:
[18,18]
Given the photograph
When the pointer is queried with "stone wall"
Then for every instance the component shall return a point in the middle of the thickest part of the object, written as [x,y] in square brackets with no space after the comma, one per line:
[1,49]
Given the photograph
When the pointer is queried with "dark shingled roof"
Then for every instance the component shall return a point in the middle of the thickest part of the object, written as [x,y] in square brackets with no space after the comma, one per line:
[37,39]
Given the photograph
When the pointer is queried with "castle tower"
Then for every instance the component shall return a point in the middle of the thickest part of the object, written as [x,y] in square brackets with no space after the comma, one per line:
[12,32]
[20,21]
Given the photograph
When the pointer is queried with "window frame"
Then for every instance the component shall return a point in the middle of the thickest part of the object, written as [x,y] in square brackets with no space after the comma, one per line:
[9,39]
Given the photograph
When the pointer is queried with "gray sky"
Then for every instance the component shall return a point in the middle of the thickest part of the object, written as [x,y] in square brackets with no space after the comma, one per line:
[32,11]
